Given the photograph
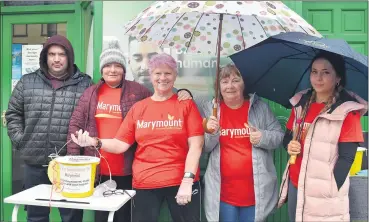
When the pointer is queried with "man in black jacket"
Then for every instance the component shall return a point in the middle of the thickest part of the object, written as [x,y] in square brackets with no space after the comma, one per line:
[38,116]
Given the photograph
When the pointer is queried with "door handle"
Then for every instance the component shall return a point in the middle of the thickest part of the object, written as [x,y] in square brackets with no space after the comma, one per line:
[3,118]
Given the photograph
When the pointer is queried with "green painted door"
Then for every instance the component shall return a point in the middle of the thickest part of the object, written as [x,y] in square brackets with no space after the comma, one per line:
[343,20]
[22,37]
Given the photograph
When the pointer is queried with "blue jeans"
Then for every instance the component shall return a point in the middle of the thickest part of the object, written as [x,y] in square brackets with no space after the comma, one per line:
[230,213]
[292,201]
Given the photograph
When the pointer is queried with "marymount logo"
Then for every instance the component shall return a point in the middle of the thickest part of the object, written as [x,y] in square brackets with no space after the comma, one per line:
[316,44]
[171,123]
[108,107]
[236,133]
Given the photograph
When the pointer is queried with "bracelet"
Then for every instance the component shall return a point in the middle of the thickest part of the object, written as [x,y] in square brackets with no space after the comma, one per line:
[98,143]
[187,180]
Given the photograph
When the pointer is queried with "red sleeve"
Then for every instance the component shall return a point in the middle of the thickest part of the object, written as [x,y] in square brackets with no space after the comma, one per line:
[126,132]
[194,121]
[351,130]
[289,124]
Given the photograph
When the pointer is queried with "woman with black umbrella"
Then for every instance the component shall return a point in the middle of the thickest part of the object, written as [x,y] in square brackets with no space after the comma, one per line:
[322,136]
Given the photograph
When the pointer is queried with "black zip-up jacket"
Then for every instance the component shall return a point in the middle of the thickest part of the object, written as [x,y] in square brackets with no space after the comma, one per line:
[38,115]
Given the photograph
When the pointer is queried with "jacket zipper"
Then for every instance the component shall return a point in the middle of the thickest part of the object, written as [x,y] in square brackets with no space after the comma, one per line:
[288,166]
[48,125]
[252,147]
[307,162]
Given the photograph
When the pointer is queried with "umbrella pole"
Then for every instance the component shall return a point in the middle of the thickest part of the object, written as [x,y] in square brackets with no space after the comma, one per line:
[215,105]
[216,91]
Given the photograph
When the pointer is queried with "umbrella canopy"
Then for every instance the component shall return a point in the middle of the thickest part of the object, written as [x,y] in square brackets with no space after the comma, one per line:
[193,26]
[278,67]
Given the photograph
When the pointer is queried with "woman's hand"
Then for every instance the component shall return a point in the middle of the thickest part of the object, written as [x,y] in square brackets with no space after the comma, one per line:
[185,191]
[255,135]
[83,139]
[184,95]
[212,124]
[294,147]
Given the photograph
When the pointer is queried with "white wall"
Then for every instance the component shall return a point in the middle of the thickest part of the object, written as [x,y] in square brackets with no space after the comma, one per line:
[90,52]
[196,72]
[115,15]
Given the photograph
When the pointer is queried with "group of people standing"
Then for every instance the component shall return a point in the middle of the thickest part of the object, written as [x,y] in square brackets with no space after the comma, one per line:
[153,139]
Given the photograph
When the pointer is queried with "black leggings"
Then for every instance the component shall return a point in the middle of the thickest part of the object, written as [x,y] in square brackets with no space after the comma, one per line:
[147,204]
[124,213]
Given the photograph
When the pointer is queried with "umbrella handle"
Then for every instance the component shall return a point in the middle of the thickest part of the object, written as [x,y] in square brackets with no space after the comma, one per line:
[215,111]
[292,159]
[296,133]
[204,123]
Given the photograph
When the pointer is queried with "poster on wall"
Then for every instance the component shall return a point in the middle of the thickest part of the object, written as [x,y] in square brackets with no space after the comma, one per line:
[196,72]
[16,63]
[30,58]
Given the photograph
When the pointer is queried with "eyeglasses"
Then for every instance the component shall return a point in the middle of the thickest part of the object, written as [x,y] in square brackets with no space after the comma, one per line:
[108,193]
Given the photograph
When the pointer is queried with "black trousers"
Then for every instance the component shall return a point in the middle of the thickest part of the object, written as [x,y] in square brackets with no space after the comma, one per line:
[148,203]
[33,176]
[124,213]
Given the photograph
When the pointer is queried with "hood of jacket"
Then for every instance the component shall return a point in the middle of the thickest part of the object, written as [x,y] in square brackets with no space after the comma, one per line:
[346,97]
[63,42]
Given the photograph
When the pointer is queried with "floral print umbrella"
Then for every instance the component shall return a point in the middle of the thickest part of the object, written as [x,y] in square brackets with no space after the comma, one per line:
[206,26]
[193,26]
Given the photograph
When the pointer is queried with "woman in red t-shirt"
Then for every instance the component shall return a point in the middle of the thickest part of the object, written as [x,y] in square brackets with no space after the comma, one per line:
[170,137]
[100,111]
[324,136]
[240,179]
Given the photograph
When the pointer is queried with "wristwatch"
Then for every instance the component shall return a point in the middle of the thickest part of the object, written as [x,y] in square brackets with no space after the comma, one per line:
[189,175]
[98,143]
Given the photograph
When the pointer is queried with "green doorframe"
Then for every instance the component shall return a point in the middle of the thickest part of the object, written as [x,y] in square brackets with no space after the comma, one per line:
[1,124]
[98,38]
[78,17]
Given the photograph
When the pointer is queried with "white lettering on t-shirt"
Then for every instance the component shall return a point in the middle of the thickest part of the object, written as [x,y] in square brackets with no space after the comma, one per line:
[142,124]
[242,132]
[108,107]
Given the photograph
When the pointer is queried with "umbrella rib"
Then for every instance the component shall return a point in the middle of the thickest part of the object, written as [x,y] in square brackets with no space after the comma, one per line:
[296,58]
[243,39]
[189,43]
[297,85]
[281,25]
[262,76]
[266,35]
[171,29]
[139,19]
[304,29]
[151,26]
[297,49]
[132,26]
[356,68]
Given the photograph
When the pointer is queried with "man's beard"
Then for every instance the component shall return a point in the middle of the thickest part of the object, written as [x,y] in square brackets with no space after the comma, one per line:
[143,78]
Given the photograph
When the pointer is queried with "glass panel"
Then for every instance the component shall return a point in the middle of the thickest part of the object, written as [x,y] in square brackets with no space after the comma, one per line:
[27,43]
[29,3]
